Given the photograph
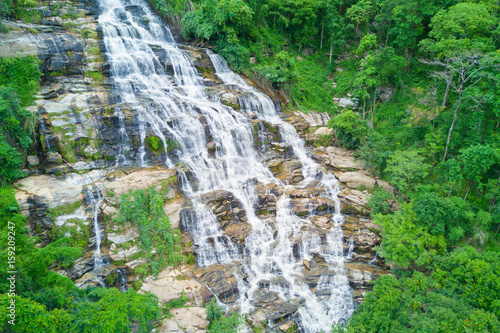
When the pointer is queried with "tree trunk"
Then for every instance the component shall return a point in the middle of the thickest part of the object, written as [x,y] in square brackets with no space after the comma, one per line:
[445,98]
[331,48]
[322,30]
[448,84]
[467,190]
[364,108]
[387,36]
[453,122]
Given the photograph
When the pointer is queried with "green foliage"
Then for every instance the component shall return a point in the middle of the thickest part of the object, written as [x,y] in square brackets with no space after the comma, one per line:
[225,19]
[18,83]
[46,301]
[378,201]
[220,323]
[405,242]
[63,210]
[96,76]
[175,303]
[465,26]
[477,160]
[144,209]
[349,129]
[21,74]
[413,305]
[405,169]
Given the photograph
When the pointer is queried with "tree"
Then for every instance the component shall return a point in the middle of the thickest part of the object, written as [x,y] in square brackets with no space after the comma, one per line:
[476,161]
[349,129]
[379,68]
[467,70]
[406,243]
[405,169]
[360,12]
[463,28]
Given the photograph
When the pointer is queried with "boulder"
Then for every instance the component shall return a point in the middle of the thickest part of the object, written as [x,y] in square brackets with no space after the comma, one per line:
[313,206]
[33,160]
[228,209]
[53,157]
[345,102]
[192,319]
[229,99]
[356,179]
[219,281]
[337,159]
[314,119]
[173,209]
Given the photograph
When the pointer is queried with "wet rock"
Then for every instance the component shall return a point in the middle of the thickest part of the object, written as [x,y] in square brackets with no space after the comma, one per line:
[225,206]
[298,122]
[237,232]
[97,277]
[53,157]
[307,192]
[220,282]
[280,309]
[257,318]
[229,99]
[290,172]
[84,265]
[199,57]
[267,198]
[57,50]
[313,206]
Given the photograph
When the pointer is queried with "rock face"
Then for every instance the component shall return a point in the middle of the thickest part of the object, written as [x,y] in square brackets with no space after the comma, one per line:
[192,319]
[168,286]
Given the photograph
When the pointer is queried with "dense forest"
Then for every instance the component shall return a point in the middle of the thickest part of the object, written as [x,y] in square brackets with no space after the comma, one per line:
[422,85]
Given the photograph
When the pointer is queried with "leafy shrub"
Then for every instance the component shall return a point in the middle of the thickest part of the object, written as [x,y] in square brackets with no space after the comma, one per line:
[349,129]
[144,209]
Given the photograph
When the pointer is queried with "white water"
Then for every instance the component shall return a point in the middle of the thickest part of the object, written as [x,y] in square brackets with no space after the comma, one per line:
[94,199]
[170,107]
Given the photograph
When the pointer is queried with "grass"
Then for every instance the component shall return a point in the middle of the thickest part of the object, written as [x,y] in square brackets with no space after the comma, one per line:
[96,76]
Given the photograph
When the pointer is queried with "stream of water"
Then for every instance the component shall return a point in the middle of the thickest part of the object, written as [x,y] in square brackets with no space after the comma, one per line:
[174,107]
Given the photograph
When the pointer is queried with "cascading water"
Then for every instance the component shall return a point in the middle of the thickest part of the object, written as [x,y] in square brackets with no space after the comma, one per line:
[94,200]
[177,108]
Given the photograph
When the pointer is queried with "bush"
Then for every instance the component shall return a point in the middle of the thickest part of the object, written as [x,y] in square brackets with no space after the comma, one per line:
[349,129]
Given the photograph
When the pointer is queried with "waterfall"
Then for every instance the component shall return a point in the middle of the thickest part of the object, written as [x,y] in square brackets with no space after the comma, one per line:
[157,80]
[94,199]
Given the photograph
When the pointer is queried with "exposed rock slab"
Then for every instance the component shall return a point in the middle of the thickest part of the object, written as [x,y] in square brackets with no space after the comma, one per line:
[138,180]
[192,320]
[171,283]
